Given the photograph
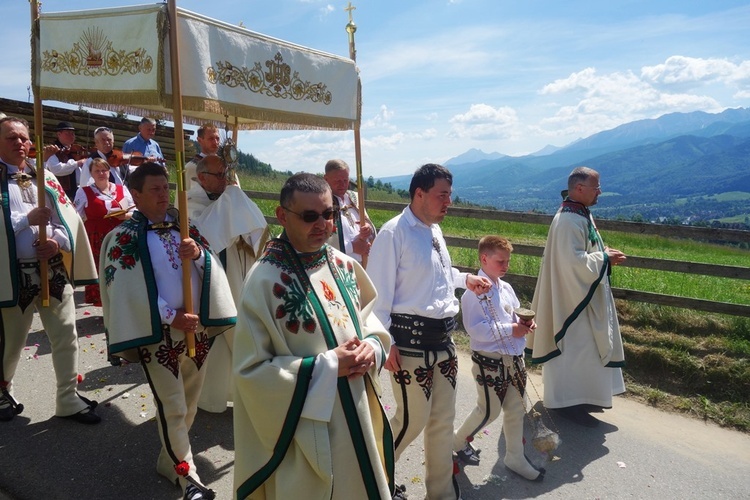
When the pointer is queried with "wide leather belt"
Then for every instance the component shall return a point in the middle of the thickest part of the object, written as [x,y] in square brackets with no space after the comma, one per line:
[418,332]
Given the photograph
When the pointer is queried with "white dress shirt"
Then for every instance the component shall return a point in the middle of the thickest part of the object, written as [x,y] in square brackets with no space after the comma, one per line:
[491,328]
[167,268]
[26,234]
[412,272]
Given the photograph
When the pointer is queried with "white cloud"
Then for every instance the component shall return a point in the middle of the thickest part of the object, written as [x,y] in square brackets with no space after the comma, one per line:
[594,102]
[682,70]
[483,122]
[381,119]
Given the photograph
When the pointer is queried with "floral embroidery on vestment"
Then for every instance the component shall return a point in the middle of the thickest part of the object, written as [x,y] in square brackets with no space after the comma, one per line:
[295,304]
[336,311]
[124,251]
[62,199]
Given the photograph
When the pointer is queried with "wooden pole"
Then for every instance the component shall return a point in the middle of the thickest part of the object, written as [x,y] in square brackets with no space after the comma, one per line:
[351,28]
[179,147]
[38,134]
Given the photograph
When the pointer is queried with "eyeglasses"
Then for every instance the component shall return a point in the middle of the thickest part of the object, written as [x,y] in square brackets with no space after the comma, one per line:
[595,188]
[220,175]
[311,216]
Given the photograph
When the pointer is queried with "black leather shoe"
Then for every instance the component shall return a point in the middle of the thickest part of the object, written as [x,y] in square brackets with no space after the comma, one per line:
[192,492]
[85,416]
[9,408]
[468,455]
[7,414]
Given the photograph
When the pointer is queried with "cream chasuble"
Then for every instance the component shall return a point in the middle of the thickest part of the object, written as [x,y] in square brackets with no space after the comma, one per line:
[294,307]
[578,336]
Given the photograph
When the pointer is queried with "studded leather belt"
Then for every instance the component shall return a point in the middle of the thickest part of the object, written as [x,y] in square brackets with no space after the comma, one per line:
[418,332]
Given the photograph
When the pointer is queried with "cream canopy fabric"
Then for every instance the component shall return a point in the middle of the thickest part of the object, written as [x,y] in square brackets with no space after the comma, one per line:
[118,59]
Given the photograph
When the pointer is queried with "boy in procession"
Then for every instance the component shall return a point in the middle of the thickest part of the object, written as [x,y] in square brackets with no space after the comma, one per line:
[498,338]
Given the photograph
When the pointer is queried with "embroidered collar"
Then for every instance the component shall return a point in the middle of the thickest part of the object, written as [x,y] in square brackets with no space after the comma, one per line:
[575,207]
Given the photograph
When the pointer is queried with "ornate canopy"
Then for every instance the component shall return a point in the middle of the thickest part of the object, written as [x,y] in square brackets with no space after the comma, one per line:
[118,59]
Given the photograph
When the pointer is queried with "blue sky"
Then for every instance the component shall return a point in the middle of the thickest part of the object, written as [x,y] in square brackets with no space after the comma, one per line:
[442,76]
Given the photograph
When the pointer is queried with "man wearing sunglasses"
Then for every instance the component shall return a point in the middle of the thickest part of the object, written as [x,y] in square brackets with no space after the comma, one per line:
[577,337]
[307,420]
[237,231]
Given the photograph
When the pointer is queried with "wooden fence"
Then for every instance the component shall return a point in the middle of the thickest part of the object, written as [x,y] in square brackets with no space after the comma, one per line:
[85,122]
[528,283]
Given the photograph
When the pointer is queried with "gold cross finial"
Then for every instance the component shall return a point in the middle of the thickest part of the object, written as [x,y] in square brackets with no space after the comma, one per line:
[349,8]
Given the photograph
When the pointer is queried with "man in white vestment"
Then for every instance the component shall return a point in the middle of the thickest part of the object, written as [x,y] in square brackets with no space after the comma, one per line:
[20,282]
[416,286]
[237,231]
[209,140]
[349,236]
[578,336]
[146,320]
[308,422]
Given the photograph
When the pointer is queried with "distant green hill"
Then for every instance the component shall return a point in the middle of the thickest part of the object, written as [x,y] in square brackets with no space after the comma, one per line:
[667,168]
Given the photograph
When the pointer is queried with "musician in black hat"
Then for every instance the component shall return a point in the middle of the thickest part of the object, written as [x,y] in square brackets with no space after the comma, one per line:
[58,159]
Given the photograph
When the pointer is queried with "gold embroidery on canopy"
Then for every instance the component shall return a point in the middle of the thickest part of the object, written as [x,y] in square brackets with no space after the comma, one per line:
[278,81]
[93,55]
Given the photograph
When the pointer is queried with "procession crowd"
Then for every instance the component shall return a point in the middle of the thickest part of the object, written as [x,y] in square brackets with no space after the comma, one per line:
[294,329]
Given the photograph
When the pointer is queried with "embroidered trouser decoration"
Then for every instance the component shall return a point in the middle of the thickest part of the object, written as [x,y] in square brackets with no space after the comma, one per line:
[425,392]
[30,283]
[175,380]
[492,376]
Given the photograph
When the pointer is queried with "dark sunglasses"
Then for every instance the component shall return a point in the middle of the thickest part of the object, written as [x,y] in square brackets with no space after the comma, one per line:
[311,216]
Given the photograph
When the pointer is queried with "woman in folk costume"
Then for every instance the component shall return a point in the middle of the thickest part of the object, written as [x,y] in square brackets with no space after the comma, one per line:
[146,318]
[307,418]
[97,205]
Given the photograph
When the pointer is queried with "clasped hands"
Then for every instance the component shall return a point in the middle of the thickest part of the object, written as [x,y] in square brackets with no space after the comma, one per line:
[355,357]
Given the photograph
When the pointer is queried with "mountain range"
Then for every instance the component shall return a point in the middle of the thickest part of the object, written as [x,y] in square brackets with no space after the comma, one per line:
[681,167]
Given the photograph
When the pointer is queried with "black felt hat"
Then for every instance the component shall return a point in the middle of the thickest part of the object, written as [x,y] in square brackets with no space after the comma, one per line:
[64,126]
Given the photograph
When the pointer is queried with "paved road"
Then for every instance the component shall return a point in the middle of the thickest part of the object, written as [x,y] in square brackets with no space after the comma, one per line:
[637,452]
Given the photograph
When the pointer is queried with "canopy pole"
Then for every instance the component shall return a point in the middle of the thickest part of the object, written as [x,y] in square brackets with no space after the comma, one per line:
[38,134]
[179,147]
[351,28]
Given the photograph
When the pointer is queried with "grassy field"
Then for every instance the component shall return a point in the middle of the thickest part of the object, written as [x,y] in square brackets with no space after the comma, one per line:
[677,359]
